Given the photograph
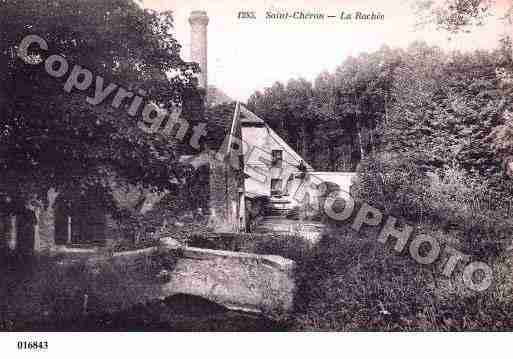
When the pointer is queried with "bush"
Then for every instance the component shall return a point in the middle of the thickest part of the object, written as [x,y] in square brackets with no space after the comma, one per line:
[54,291]
[286,245]
[353,284]
[394,185]
[290,246]
[358,284]
[467,206]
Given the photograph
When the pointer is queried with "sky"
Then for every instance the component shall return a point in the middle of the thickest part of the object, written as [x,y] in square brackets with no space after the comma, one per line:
[248,55]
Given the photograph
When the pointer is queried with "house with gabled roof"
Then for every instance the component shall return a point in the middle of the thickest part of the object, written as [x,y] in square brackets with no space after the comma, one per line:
[256,174]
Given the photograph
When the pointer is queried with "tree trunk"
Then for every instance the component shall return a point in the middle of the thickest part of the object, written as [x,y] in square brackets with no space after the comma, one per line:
[357,127]
[304,142]
[332,157]
[360,143]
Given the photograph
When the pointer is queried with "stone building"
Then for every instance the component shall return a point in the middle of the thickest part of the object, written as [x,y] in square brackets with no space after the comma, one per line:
[256,174]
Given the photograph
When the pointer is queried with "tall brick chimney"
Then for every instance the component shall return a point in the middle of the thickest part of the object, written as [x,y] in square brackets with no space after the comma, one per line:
[199,21]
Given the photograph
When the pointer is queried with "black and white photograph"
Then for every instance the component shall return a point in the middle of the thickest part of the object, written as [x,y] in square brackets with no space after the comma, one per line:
[288,166]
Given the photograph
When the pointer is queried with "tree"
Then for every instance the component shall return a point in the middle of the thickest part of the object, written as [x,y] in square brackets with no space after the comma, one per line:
[301,119]
[272,106]
[456,16]
[445,111]
[333,123]
[453,15]
[53,139]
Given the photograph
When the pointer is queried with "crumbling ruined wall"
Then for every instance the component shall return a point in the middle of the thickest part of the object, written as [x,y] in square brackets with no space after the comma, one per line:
[226,180]
[45,229]
[224,197]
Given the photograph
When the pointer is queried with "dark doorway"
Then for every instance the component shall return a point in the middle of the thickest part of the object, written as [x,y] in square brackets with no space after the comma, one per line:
[4,231]
[25,231]
[80,219]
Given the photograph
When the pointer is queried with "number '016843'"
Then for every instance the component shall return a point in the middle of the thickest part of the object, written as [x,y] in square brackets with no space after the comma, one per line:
[32,345]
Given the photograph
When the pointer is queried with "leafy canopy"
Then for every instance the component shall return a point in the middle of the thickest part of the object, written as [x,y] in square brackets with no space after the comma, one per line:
[51,138]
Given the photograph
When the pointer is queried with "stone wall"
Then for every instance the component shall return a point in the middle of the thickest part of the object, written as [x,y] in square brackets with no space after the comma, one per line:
[45,229]
[226,182]
[5,232]
[115,281]
[239,281]
[15,218]
[45,226]
[224,197]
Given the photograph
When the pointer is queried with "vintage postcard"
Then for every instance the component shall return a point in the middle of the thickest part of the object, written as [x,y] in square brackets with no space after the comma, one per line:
[255,166]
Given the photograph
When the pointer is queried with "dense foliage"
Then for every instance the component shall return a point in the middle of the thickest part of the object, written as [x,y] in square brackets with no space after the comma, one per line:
[430,134]
[431,107]
[53,139]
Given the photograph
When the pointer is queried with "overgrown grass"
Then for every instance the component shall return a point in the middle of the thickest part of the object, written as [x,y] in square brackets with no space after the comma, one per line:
[352,282]
[291,246]
[357,284]
[466,207]
[61,290]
